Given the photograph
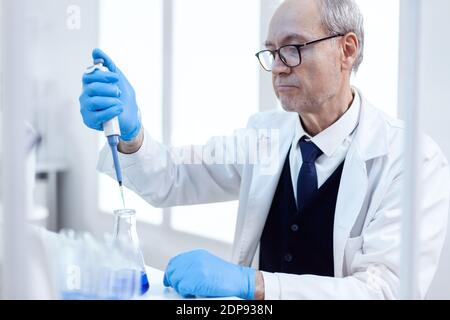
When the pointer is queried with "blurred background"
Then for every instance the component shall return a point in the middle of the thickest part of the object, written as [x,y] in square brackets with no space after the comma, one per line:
[169,49]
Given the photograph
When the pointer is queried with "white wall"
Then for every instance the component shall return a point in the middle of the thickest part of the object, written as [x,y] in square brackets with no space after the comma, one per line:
[1,74]
[79,184]
[61,50]
[434,66]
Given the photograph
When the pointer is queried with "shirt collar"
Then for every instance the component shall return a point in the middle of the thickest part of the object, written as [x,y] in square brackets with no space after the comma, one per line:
[331,138]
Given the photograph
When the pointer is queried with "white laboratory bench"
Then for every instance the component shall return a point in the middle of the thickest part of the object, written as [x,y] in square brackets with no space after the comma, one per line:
[158,291]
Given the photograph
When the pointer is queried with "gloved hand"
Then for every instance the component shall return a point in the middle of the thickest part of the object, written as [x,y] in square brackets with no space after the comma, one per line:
[107,95]
[199,273]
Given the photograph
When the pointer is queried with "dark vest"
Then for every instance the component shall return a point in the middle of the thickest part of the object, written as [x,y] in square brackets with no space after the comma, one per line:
[300,242]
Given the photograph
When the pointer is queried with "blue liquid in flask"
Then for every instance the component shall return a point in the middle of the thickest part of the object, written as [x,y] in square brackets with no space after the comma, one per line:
[125,287]
[145,285]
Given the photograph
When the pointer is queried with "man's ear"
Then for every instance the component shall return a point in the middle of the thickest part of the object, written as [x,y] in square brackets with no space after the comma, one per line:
[350,49]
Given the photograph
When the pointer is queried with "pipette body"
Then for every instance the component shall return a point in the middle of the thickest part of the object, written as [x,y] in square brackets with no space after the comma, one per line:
[112,132]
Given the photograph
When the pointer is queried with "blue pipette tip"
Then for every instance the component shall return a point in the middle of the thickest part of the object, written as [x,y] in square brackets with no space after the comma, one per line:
[113,142]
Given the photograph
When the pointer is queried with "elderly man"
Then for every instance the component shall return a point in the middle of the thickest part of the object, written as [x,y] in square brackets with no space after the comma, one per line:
[327,221]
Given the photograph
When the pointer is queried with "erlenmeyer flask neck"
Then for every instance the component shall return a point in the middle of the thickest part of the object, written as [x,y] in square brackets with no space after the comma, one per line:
[125,227]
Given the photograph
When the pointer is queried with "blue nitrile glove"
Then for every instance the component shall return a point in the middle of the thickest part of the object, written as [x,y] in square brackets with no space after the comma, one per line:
[199,273]
[107,95]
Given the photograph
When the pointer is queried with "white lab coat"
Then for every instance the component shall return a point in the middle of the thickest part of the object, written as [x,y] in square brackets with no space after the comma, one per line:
[367,227]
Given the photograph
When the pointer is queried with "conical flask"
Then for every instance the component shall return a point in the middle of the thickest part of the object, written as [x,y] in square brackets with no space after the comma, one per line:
[125,239]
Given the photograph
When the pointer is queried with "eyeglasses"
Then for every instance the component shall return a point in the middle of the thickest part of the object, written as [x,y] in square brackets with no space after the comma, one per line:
[290,55]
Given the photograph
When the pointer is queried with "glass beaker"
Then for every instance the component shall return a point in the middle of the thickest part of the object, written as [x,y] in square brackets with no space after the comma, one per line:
[125,239]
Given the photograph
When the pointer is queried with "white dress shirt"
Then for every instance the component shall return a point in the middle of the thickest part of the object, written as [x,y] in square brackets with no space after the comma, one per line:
[334,142]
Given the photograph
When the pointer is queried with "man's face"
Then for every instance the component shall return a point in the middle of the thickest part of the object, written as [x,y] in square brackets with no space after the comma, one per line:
[318,79]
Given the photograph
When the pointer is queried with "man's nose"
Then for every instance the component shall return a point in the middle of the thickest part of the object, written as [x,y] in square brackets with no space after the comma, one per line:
[279,66]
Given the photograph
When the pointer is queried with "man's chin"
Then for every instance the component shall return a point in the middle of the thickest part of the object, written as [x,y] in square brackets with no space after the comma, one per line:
[296,109]
[287,106]
[288,109]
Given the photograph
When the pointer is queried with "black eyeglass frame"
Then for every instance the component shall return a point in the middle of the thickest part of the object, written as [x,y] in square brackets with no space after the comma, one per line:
[297,46]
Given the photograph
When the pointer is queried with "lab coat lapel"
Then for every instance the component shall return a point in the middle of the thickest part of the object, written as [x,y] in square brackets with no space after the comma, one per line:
[369,143]
[262,191]
[352,192]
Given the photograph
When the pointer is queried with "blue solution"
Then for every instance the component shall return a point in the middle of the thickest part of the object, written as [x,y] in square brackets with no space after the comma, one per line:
[122,284]
[145,285]
[120,293]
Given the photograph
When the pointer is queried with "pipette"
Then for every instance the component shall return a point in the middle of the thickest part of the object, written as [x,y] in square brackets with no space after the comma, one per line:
[113,141]
[112,132]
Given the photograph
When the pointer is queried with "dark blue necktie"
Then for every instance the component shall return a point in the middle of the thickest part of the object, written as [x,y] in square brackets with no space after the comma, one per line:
[307,178]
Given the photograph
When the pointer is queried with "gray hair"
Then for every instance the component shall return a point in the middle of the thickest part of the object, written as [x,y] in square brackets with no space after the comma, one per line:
[342,17]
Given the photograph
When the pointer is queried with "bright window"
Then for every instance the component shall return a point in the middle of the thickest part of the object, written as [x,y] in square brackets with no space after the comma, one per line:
[215,90]
[130,32]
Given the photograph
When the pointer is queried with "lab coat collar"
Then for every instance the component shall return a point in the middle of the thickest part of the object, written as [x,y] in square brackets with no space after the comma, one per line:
[331,138]
[371,138]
